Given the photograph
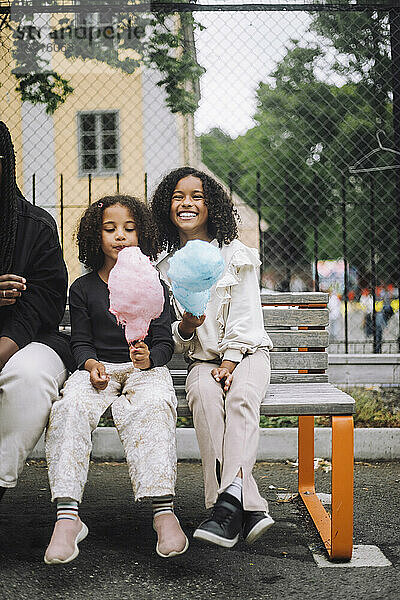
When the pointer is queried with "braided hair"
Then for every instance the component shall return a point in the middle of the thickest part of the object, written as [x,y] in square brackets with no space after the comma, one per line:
[89,229]
[8,200]
[222,215]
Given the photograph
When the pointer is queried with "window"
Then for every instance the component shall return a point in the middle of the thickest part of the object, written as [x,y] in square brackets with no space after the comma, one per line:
[98,143]
[103,26]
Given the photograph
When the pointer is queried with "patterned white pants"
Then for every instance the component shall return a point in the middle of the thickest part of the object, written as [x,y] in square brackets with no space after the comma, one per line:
[143,405]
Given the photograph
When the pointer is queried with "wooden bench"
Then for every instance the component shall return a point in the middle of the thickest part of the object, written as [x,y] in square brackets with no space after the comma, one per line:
[296,323]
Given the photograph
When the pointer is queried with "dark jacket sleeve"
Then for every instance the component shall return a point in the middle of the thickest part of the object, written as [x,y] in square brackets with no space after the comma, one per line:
[160,335]
[81,330]
[41,306]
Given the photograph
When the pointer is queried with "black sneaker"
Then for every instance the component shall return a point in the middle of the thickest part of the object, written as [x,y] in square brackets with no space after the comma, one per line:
[225,523]
[255,523]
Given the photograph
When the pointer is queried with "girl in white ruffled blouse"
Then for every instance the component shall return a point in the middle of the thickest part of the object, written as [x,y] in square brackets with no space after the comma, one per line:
[228,354]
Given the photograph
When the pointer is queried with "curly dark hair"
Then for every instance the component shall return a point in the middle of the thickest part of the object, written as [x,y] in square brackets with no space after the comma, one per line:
[222,215]
[8,200]
[89,229]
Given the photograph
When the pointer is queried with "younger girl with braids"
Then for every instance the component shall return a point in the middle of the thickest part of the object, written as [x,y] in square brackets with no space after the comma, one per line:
[136,384]
[34,356]
[228,354]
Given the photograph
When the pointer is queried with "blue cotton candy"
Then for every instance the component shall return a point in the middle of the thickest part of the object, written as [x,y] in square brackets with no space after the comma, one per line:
[193,270]
[193,302]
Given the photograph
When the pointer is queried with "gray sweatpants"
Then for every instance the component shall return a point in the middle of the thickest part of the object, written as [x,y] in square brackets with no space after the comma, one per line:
[143,405]
[227,426]
[29,384]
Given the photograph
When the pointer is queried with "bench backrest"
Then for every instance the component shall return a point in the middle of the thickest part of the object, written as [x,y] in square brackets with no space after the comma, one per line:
[296,323]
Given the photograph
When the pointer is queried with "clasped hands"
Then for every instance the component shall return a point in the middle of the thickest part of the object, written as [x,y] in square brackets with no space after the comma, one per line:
[222,374]
[140,356]
[11,287]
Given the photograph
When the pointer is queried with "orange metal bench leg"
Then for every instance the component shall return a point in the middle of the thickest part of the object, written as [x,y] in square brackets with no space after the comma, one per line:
[342,487]
[336,533]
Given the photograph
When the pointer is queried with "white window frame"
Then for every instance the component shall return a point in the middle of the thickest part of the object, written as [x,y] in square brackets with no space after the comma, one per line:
[100,171]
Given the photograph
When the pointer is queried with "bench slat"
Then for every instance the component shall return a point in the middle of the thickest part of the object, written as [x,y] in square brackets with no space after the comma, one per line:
[299,339]
[296,391]
[298,378]
[295,298]
[316,400]
[292,317]
[283,361]
[179,377]
[299,360]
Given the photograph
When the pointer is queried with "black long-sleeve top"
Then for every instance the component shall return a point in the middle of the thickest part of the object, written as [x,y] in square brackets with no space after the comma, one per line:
[36,314]
[96,334]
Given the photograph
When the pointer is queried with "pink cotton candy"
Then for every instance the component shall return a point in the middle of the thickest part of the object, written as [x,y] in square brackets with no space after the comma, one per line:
[136,294]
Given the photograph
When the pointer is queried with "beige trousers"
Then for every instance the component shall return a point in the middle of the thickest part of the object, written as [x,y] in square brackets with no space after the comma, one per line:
[29,384]
[143,405]
[227,426]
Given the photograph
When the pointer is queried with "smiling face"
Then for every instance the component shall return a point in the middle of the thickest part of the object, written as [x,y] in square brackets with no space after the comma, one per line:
[189,212]
[118,231]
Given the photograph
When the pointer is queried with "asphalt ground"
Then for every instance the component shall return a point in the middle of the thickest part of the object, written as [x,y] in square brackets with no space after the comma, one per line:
[118,561]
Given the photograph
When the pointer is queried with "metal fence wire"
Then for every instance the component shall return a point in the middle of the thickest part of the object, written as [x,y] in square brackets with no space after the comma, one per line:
[295,107]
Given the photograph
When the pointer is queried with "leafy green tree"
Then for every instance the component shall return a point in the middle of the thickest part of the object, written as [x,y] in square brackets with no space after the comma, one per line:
[296,120]
[159,40]
[363,57]
[362,44]
[307,135]
[222,153]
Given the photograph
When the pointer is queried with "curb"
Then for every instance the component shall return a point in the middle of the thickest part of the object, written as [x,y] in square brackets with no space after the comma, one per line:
[275,444]
[364,369]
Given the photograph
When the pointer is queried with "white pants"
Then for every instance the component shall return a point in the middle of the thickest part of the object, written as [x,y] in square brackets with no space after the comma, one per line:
[143,405]
[29,384]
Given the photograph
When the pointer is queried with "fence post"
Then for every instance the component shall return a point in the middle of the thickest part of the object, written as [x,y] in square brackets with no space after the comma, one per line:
[316,223]
[117,182]
[62,212]
[90,188]
[34,189]
[287,254]
[346,291]
[372,258]
[394,28]
[260,244]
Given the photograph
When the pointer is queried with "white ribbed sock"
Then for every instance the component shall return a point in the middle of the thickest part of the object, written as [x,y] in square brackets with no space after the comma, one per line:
[67,509]
[162,505]
[235,489]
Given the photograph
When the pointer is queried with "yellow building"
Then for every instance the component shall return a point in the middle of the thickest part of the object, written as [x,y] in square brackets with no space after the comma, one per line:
[114,132]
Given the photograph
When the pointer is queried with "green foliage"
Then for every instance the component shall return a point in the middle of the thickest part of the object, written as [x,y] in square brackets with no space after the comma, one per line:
[222,153]
[363,39]
[274,422]
[374,408]
[37,83]
[43,88]
[157,40]
[308,133]
[184,422]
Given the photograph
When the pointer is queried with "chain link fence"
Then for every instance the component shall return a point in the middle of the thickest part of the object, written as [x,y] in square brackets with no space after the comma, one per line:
[295,107]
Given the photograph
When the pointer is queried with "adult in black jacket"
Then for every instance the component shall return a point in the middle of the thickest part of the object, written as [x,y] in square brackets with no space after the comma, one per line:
[33,285]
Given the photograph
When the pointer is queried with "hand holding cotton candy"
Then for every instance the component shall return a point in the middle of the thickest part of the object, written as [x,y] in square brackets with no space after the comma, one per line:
[136,294]
[193,270]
